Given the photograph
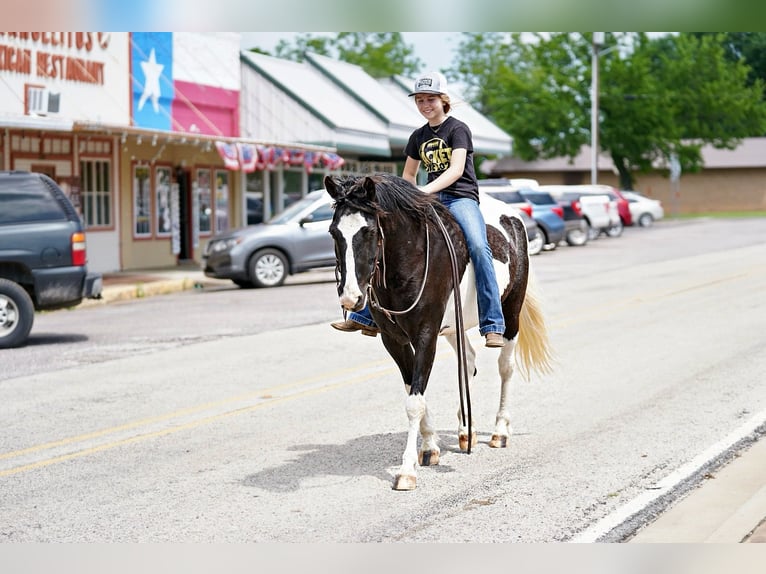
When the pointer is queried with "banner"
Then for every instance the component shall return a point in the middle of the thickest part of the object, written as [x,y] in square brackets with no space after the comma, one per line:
[248,157]
[228,153]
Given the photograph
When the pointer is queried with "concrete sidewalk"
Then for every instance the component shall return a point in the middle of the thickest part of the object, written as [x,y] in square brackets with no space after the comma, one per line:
[729,506]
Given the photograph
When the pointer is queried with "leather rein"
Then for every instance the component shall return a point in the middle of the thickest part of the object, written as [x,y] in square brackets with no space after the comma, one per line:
[463,386]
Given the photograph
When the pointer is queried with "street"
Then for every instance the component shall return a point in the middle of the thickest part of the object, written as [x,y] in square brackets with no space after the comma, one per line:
[228,415]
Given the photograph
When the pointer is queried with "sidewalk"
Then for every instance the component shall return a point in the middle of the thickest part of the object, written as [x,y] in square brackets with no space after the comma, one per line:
[728,507]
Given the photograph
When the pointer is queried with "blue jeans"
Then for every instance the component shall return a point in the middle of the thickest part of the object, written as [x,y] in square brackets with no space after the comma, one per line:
[468,215]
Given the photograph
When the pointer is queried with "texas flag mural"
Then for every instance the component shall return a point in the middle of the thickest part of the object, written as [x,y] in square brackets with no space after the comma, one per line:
[186,82]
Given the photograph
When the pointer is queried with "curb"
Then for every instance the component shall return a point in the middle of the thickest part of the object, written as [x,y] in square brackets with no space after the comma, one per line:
[142,289]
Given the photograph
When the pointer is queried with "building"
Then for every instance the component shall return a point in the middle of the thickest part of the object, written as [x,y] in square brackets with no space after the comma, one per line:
[730,180]
[160,138]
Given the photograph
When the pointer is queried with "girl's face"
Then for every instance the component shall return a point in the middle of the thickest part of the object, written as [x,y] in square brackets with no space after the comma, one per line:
[430,106]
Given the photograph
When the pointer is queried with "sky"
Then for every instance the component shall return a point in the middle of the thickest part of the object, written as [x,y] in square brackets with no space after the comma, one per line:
[435,49]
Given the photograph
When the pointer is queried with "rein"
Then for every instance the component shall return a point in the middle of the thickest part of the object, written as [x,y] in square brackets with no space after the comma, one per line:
[372,296]
[463,387]
[462,363]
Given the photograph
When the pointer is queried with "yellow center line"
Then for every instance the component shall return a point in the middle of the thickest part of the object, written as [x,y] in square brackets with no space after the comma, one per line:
[185,426]
[184,412]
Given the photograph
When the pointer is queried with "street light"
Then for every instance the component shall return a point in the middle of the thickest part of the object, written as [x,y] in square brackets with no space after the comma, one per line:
[598,41]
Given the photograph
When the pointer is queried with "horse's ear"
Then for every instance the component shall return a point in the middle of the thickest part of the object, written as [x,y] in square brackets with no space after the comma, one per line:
[331,187]
[369,188]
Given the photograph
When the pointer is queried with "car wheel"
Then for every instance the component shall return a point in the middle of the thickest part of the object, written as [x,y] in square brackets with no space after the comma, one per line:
[535,245]
[615,230]
[268,268]
[592,232]
[17,313]
[577,237]
[646,220]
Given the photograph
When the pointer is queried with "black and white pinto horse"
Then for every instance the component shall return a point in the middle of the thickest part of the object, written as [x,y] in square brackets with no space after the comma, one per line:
[392,253]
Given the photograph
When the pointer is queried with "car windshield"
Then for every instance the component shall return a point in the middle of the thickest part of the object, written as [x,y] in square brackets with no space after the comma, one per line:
[297,207]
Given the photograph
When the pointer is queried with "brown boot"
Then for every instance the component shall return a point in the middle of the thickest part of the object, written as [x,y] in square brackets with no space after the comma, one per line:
[494,340]
[349,326]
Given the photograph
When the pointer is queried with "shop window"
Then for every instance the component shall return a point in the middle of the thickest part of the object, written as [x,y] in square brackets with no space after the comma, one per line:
[164,223]
[204,201]
[222,202]
[142,202]
[96,193]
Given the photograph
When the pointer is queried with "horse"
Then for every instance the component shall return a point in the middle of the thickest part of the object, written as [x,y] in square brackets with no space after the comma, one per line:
[392,245]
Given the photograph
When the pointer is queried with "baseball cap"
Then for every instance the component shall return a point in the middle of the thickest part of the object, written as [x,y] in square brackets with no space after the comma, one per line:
[430,83]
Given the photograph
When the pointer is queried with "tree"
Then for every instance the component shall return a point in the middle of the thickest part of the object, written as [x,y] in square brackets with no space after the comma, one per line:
[380,54]
[659,97]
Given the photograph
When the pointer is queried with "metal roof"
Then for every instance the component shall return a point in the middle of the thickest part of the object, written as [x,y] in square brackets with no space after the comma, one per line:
[365,115]
[352,127]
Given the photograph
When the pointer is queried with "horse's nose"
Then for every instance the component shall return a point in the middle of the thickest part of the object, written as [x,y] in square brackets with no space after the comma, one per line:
[351,301]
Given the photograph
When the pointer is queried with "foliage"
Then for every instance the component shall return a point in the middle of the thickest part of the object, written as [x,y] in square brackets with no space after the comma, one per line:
[658,97]
[750,47]
[380,54]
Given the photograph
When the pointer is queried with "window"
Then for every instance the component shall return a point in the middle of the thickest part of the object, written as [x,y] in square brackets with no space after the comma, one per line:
[142,202]
[96,193]
[164,224]
[221,200]
[204,201]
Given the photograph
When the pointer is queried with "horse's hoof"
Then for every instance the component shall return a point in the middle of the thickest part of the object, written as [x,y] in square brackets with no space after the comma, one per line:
[463,440]
[498,441]
[428,458]
[405,482]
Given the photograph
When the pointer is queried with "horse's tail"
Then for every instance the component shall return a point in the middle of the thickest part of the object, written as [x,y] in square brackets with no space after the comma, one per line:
[533,352]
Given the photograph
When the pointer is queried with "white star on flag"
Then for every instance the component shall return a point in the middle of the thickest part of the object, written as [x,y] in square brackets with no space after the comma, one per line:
[152,72]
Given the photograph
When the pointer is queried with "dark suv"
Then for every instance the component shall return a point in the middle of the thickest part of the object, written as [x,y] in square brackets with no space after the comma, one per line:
[42,254]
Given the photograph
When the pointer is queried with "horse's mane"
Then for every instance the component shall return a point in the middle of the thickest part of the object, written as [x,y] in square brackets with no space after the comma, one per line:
[393,195]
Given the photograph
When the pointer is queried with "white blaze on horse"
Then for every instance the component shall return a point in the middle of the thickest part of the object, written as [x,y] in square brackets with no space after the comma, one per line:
[392,246]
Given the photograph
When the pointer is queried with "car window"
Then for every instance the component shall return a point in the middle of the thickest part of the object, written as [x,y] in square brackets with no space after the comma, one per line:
[507,196]
[322,213]
[295,208]
[539,198]
[28,199]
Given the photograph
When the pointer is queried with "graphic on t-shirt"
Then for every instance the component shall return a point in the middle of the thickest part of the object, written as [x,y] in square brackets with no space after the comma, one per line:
[435,155]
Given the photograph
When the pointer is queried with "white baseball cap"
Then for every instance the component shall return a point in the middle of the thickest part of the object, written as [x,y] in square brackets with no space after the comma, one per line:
[430,83]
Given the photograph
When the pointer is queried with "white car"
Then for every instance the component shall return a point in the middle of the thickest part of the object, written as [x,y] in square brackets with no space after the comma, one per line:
[644,210]
[597,209]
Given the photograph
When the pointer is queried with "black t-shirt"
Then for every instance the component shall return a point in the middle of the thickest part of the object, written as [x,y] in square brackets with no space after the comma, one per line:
[433,147]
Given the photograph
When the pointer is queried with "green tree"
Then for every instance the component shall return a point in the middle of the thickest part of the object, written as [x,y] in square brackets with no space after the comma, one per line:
[659,97]
[380,54]
[747,46]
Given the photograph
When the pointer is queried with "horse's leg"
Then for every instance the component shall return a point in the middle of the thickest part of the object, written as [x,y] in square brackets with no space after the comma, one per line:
[470,356]
[429,449]
[415,405]
[505,364]
[424,351]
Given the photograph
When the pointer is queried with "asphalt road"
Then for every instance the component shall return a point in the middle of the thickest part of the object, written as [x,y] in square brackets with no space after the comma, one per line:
[224,415]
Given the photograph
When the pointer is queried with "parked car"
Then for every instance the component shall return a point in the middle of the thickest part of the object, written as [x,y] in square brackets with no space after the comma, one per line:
[263,255]
[597,210]
[543,205]
[645,210]
[550,223]
[575,224]
[623,207]
[43,261]
[535,237]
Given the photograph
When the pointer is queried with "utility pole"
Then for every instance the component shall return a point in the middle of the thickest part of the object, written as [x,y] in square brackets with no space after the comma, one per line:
[598,41]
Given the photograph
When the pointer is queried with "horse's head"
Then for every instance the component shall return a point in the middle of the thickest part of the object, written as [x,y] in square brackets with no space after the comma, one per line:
[355,230]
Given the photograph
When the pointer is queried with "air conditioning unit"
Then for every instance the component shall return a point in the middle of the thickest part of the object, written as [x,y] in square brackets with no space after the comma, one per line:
[40,101]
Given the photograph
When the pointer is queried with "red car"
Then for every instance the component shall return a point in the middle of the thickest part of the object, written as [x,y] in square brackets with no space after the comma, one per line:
[623,207]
